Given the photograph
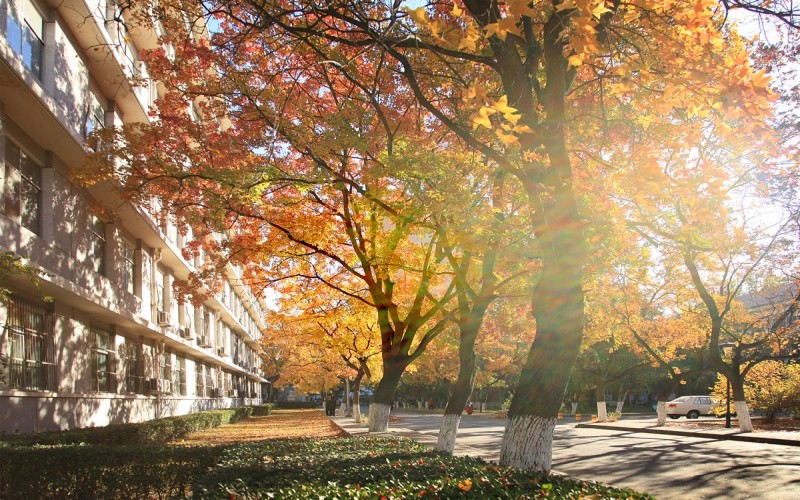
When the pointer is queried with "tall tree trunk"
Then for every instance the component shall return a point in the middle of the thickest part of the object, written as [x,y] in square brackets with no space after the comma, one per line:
[381,404]
[740,404]
[661,405]
[558,309]
[600,395]
[466,378]
[357,396]
[661,412]
[558,296]
[621,402]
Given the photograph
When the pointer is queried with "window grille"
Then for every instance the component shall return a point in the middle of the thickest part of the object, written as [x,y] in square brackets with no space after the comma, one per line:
[134,364]
[104,362]
[179,376]
[200,384]
[129,265]
[31,358]
[209,382]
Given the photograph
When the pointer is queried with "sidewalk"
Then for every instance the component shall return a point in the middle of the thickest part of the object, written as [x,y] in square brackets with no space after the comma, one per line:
[646,425]
[397,430]
[682,428]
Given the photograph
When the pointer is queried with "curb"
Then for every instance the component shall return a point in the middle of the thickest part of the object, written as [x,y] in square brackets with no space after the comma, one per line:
[708,435]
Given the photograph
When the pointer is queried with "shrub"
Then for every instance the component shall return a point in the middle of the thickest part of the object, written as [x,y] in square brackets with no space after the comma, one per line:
[99,471]
[153,431]
[296,405]
[263,410]
[770,387]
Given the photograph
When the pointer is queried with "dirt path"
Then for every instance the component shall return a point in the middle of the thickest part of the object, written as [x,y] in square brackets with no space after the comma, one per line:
[279,424]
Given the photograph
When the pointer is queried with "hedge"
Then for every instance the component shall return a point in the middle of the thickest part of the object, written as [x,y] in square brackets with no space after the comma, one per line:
[297,405]
[100,471]
[153,431]
[263,410]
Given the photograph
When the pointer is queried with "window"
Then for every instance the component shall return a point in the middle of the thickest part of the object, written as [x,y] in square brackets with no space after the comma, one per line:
[163,315]
[199,380]
[95,115]
[179,376]
[104,362]
[112,10]
[130,58]
[22,188]
[31,357]
[164,371]
[134,363]
[97,244]
[128,270]
[25,33]
[209,382]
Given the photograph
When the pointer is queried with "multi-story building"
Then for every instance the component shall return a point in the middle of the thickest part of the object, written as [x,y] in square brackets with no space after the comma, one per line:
[113,345]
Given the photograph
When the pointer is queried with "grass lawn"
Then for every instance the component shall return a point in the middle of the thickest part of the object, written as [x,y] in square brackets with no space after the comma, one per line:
[288,454]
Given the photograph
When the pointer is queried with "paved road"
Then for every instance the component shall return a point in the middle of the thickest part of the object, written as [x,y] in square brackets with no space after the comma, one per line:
[669,467]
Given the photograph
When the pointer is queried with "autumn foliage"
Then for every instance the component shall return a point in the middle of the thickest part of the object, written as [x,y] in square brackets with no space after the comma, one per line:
[418,164]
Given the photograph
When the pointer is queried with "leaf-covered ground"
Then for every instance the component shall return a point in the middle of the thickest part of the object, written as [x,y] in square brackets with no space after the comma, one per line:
[288,454]
[280,424]
[302,454]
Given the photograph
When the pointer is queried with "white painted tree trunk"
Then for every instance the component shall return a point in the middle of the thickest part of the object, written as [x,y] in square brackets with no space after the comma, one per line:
[356,413]
[621,403]
[661,414]
[602,413]
[574,408]
[447,433]
[528,443]
[379,417]
[743,416]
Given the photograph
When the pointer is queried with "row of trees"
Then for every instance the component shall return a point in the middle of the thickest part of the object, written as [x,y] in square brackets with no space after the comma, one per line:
[397,173]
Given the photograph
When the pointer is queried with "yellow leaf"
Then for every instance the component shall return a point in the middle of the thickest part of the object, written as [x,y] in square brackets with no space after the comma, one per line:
[502,107]
[600,10]
[482,118]
[575,60]
[503,27]
[522,129]
[470,38]
[457,11]
[520,8]
[507,139]
[566,4]
[418,15]
[475,93]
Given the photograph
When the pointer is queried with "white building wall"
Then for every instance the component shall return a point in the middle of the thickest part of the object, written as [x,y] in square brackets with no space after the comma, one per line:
[71,81]
[46,116]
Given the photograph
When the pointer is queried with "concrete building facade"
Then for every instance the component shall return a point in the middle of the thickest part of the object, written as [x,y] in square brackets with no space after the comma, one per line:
[113,345]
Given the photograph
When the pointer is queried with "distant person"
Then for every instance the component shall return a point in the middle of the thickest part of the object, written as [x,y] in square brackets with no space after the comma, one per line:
[330,406]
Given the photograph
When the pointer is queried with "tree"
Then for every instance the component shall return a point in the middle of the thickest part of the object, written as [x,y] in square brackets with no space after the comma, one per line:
[345,328]
[12,266]
[653,302]
[554,94]
[771,387]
